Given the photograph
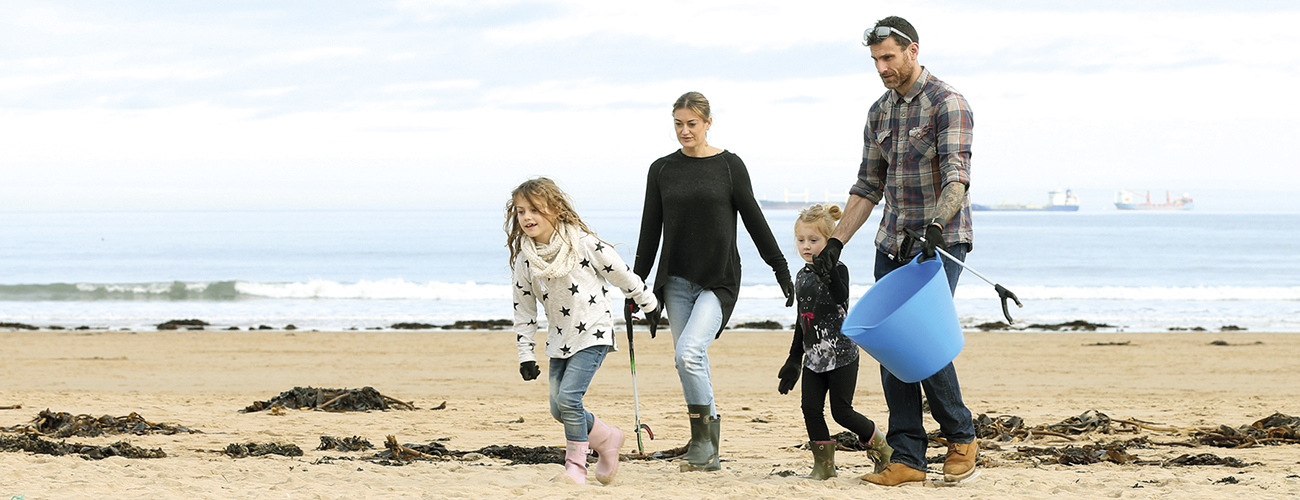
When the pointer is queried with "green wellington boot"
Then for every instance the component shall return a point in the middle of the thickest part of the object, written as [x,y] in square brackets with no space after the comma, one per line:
[702,453]
[879,451]
[823,460]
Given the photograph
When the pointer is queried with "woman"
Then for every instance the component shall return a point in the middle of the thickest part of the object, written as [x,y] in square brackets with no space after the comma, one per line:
[692,198]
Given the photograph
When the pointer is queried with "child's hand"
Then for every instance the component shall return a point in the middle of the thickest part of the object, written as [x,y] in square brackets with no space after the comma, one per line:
[789,373]
[529,370]
[824,262]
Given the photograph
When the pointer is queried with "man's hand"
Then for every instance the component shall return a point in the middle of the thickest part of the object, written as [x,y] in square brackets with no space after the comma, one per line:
[824,263]
[933,239]
[789,373]
[529,370]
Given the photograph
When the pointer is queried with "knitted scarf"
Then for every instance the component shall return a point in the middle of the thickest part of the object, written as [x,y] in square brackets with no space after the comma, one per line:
[557,258]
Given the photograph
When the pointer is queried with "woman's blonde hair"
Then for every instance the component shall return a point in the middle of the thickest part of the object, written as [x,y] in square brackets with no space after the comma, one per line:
[696,102]
[548,199]
[822,218]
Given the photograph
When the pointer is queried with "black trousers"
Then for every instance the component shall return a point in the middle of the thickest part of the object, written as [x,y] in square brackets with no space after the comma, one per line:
[840,383]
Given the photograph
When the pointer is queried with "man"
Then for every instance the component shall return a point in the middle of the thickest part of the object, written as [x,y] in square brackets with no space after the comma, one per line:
[917,160]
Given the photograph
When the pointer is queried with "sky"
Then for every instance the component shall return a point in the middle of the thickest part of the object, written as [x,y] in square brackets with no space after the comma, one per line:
[436,104]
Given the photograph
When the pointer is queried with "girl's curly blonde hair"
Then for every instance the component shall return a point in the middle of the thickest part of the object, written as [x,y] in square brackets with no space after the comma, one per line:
[550,200]
[821,218]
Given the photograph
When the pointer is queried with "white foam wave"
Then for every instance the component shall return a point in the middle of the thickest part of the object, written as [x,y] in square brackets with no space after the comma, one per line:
[387,289]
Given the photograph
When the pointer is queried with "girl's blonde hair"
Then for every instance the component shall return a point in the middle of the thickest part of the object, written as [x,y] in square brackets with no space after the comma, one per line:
[548,199]
[822,218]
[696,102]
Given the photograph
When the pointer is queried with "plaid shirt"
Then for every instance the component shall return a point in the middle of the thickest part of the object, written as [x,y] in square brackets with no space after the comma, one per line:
[915,144]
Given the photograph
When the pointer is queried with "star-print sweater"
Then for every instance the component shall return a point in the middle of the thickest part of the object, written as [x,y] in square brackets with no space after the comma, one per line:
[578,308]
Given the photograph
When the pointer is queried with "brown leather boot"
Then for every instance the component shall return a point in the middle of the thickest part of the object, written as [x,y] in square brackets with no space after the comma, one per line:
[895,474]
[960,462]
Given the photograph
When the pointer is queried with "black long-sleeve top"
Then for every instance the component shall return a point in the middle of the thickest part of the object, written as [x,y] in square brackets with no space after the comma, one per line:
[822,308]
[693,202]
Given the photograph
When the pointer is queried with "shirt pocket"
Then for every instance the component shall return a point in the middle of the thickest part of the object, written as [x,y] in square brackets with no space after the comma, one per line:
[921,143]
[886,145]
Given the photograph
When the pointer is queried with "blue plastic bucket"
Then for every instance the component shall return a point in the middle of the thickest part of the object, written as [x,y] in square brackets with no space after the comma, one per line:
[907,321]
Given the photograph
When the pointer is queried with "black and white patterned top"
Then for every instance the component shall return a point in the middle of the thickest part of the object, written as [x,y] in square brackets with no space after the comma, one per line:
[821,313]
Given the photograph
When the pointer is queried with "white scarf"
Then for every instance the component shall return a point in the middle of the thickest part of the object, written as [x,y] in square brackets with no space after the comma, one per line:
[557,258]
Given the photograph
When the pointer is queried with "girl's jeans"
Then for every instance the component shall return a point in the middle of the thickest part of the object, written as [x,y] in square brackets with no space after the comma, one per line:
[569,379]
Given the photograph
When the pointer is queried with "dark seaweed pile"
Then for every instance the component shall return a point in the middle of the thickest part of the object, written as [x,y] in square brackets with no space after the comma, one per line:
[32,443]
[242,450]
[1276,429]
[354,443]
[364,399]
[63,424]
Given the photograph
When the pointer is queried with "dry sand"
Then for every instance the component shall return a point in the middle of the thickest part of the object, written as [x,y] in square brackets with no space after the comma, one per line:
[201,379]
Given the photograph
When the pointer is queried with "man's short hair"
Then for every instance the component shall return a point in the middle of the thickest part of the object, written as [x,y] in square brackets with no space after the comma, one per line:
[899,24]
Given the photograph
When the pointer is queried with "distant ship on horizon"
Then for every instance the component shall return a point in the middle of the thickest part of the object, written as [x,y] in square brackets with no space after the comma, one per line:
[1127,200]
[787,203]
[1060,200]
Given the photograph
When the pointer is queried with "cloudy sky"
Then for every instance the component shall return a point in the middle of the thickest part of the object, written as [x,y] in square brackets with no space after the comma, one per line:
[125,105]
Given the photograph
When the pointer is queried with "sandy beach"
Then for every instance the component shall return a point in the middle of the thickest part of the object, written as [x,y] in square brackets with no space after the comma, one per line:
[201,379]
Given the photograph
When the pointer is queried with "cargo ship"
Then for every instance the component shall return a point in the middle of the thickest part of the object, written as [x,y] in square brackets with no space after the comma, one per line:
[1057,201]
[1128,200]
[792,201]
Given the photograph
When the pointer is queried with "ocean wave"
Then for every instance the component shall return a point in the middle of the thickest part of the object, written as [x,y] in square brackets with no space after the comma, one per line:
[400,289]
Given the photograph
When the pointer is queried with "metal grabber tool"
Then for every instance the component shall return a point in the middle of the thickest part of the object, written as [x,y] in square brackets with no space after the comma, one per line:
[1003,293]
[636,401]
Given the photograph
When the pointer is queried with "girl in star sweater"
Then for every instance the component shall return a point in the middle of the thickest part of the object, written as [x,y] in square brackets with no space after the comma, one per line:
[558,261]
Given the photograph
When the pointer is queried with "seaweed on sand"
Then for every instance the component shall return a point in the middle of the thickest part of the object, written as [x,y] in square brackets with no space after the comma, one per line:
[242,450]
[354,443]
[364,399]
[1275,429]
[32,443]
[63,424]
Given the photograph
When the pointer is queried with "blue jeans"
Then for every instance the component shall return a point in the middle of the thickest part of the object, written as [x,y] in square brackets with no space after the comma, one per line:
[906,430]
[569,379]
[694,315]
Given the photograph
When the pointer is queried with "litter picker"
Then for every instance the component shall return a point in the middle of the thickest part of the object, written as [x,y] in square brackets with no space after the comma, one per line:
[636,401]
[1003,293]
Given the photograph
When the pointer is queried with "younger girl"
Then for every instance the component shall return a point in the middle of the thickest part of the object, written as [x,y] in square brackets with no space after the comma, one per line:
[558,261]
[828,359]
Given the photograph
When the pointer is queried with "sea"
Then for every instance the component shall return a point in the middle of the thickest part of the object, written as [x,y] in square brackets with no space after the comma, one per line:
[356,269]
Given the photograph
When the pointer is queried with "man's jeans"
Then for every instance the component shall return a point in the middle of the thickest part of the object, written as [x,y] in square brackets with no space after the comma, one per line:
[906,430]
[694,315]
[569,379]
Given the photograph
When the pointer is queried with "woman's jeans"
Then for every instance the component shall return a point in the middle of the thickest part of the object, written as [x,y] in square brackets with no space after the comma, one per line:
[906,431]
[569,379]
[695,316]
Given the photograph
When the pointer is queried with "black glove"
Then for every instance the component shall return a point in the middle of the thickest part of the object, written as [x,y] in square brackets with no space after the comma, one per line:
[787,287]
[933,239]
[653,318]
[824,262]
[529,370]
[789,373]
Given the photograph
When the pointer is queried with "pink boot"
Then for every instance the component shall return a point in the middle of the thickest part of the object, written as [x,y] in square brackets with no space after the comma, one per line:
[575,463]
[607,440]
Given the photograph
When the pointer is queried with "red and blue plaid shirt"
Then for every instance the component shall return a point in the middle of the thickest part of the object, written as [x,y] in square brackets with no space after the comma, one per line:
[915,144]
